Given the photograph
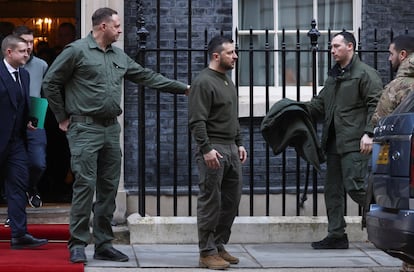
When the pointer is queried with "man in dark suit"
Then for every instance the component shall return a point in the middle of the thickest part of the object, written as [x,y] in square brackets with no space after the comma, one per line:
[14,115]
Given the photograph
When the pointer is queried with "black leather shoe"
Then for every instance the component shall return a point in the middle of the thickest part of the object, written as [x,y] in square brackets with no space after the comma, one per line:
[77,255]
[27,241]
[332,243]
[111,254]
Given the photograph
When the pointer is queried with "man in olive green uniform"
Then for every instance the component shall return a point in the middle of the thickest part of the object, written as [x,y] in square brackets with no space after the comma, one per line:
[213,120]
[83,87]
[345,105]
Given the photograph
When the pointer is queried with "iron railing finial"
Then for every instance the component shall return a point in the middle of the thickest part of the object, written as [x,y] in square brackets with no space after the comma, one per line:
[142,32]
[314,34]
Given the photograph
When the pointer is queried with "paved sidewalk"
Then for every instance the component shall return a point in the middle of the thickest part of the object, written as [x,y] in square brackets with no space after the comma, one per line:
[253,257]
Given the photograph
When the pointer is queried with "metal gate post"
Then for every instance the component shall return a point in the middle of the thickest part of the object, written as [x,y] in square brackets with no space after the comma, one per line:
[142,34]
[313,34]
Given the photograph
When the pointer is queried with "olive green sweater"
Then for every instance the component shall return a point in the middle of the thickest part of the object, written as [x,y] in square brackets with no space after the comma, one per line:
[213,110]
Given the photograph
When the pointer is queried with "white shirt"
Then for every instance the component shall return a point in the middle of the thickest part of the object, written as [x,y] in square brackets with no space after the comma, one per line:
[11,69]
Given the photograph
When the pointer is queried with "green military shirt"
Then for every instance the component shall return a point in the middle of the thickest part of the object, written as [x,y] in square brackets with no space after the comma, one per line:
[91,80]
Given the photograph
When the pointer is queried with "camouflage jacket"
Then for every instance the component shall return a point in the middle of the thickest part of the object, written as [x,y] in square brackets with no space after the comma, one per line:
[396,91]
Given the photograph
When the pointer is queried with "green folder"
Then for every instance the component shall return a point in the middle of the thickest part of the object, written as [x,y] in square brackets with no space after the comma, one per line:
[38,108]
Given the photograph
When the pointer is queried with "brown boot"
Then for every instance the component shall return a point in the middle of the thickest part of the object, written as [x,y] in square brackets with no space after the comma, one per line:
[213,262]
[227,257]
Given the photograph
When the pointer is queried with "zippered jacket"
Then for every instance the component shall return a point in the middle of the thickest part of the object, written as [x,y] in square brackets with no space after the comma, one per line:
[347,102]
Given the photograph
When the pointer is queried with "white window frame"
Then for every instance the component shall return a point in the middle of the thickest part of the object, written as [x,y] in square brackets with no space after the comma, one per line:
[259,98]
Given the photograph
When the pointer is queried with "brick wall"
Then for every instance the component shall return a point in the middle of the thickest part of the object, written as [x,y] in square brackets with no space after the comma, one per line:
[386,17]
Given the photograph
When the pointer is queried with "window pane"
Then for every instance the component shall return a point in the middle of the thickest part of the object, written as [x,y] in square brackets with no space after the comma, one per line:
[256,14]
[258,64]
[290,15]
[335,14]
[292,71]
[295,14]
[324,56]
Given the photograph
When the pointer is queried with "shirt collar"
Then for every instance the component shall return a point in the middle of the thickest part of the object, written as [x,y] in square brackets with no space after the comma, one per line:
[10,68]
[93,44]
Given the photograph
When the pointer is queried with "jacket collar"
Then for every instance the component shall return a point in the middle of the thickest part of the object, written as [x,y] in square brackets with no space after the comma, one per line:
[339,73]
[406,68]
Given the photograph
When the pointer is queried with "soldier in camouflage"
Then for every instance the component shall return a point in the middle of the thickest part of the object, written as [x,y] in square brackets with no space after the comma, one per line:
[402,61]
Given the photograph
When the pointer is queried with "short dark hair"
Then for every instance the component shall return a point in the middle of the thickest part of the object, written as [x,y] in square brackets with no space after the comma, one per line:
[102,15]
[11,41]
[404,42]
[216,44]
[348,37]
[22,30]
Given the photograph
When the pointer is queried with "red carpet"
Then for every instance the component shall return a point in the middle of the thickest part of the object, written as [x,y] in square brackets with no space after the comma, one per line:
[49,231]
[53,257]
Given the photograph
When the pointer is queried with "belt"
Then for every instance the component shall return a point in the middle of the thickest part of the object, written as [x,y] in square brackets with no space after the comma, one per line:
[106,122]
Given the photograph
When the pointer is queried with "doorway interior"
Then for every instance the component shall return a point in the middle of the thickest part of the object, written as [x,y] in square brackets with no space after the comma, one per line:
[45,17]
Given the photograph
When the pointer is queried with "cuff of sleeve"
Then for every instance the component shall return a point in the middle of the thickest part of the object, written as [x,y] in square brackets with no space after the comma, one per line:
[61,117]
[370,134]
[206,149]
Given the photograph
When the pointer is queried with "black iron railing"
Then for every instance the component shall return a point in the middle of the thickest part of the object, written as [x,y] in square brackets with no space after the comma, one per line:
[165,148]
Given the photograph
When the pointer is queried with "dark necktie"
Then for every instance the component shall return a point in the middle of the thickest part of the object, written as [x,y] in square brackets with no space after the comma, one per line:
[19,94]
[16,76]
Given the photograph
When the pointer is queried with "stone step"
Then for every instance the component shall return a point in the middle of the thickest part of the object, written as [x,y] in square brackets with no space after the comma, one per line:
[183,229]
[246,229]
[59,214]
[47,214]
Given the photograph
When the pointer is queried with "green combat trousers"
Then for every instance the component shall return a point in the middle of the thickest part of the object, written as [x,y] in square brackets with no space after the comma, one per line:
[345,173]
[218,200]
[96,165]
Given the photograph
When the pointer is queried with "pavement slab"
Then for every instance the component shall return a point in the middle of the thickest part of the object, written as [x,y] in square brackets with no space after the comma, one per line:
[272,257]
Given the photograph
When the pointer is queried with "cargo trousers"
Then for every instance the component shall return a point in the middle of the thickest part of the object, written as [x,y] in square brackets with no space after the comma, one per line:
[218,199]
[96,165]
[346,173]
